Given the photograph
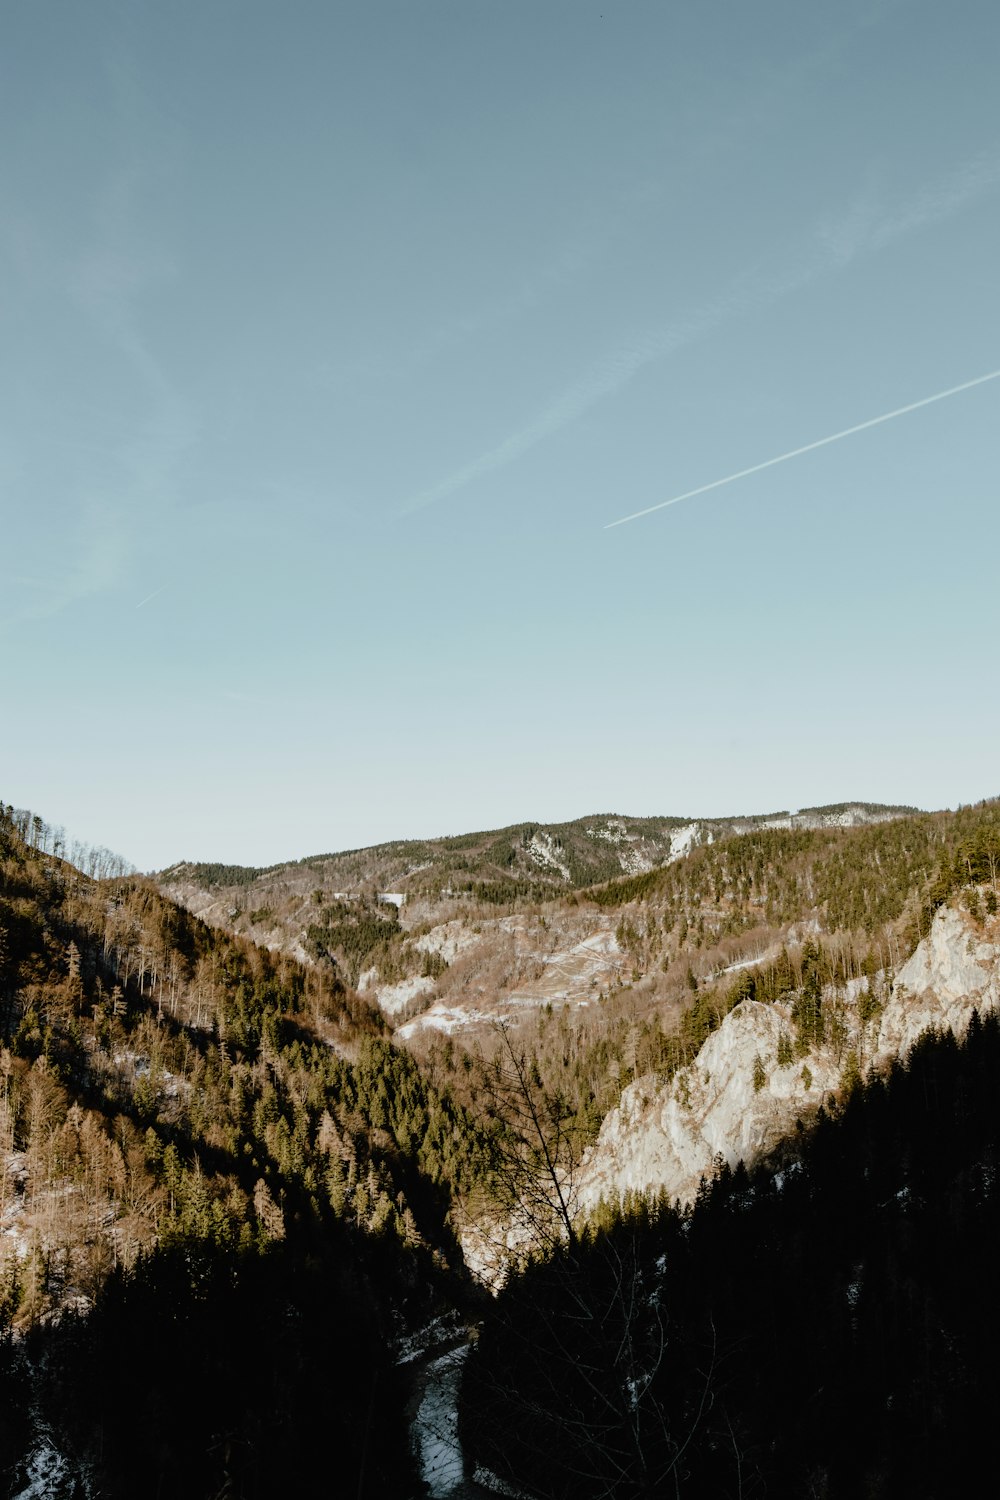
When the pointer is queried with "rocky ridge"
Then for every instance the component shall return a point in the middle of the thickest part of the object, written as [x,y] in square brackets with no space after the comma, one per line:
[736,1103]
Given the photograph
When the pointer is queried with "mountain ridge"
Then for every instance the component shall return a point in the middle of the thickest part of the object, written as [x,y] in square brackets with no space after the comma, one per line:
[182,1109]
[627,825]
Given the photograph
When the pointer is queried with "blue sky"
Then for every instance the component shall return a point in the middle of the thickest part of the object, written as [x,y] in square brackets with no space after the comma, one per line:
[332,337]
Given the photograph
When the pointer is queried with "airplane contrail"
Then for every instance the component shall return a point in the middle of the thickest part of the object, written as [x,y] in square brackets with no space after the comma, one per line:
[151,596]
[834,437]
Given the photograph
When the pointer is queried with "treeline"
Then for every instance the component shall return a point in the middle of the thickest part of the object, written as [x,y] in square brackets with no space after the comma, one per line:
[824,1326]
[856,879]
[210,875]
[49,838]
[834,809]
[973,862]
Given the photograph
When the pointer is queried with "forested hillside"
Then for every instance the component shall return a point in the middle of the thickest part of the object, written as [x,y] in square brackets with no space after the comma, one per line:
[611,980]
[266,1168]
[499,868]
[817,920]
[214,1153]
[824,1325]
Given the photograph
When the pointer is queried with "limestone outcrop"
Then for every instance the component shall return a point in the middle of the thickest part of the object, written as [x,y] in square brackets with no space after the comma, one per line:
[735,1102]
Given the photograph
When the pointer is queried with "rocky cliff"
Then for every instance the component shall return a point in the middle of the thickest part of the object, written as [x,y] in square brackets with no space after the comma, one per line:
[737,1102]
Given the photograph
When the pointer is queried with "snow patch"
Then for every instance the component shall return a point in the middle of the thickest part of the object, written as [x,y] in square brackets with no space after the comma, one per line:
[487,1480]
[613,832]
[417,1344]
[447,1018]
[435,1427]
[47,1473]
[750,963]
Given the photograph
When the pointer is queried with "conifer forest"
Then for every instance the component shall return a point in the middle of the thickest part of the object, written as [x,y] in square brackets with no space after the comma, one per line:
[241,1198]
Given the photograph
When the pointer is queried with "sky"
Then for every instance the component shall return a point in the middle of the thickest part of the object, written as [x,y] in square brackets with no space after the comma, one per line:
[333,338]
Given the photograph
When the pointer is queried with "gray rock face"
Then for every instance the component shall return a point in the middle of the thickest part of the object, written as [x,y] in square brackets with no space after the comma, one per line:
[734,1102]
[955,970]
[669,1136]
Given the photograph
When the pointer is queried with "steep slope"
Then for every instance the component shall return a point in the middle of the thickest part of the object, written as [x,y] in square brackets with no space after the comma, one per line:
[738,1055]
[750,1083]
[223,1197]
[773,947]
[166,1082]
[827,1330]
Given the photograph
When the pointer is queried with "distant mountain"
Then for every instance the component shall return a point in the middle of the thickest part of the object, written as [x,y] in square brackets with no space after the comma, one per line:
[505,867]
[203,1136]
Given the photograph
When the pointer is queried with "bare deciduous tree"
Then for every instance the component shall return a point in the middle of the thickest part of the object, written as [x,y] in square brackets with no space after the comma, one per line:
[569,1381]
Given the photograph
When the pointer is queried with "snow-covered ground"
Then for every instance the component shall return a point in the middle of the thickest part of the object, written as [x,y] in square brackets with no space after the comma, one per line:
[613,832]
[435,1426]
[751,963]
[634,862]
[46,1474]
[446,1329]
[447,1018]
[631,859]
[434,1420]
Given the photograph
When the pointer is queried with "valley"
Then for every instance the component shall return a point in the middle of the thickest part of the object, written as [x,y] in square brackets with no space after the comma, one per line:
[407,1080]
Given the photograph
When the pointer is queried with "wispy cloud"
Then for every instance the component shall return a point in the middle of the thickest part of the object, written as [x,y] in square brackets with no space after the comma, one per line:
[869,225]
[108,282]
[867,228]
[604,378]
[552,278]
[106,279]
[87,559]
[106,516]
[609,375]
